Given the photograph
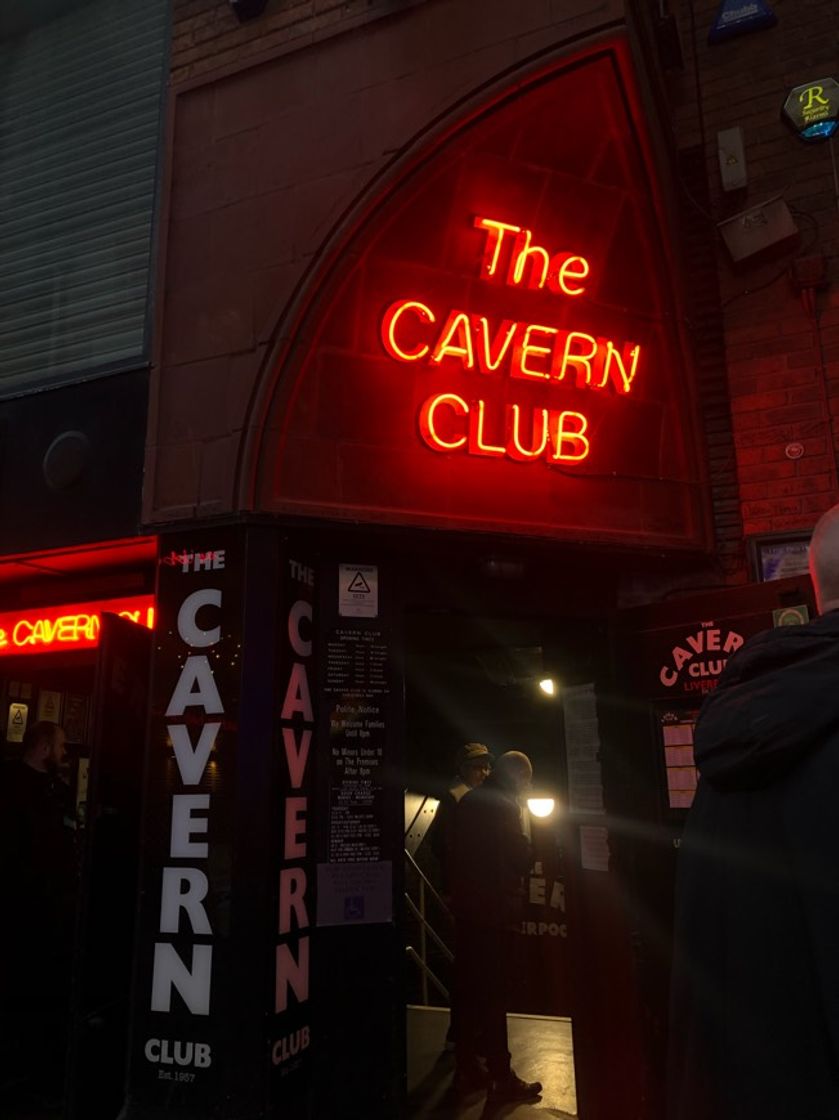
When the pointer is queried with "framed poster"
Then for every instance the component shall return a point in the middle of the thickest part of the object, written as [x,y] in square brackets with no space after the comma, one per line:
[779,555]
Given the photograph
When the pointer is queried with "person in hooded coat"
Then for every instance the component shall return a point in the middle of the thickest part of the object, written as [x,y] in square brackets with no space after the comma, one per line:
[754,1011]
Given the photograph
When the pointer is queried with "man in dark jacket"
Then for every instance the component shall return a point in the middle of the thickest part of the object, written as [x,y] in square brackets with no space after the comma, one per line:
[37,871]
[472,764]
[491,857]
[754,1023]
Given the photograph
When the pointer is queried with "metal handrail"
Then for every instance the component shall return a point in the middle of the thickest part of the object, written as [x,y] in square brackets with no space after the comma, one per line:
[426,930]
[428,884]
[438,984]
[441,945]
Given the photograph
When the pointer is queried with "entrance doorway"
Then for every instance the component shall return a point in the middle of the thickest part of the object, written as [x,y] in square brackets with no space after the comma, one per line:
[499,675]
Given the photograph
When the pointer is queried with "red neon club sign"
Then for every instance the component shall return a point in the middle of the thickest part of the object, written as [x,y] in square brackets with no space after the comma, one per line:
[68,627]
[501,343]
[518,349]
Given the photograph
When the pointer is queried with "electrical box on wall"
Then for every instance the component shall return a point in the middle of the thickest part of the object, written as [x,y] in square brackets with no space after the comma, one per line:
[759,232]
[732,159]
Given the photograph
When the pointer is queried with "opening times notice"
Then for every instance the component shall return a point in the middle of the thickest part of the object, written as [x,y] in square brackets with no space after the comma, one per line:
[356,660]
[356,690]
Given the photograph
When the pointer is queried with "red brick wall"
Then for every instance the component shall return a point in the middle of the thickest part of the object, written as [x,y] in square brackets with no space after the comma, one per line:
[781,354]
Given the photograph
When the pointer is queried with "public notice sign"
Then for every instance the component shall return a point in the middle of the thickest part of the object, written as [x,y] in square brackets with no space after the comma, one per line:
[355,879]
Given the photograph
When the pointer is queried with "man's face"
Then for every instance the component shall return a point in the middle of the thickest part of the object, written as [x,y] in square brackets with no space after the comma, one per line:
[57,753]
[475,773]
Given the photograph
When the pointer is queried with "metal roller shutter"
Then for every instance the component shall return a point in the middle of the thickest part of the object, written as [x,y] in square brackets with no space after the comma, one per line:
[80,104]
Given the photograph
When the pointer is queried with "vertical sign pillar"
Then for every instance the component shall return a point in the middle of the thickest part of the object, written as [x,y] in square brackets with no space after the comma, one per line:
[293,817]
[221,1014]
[179,1060]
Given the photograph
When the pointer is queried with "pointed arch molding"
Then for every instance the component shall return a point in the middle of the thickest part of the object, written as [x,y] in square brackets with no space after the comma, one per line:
[494,341]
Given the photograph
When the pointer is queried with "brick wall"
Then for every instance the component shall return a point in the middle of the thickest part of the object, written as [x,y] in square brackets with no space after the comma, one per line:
[780,349]
[207,36]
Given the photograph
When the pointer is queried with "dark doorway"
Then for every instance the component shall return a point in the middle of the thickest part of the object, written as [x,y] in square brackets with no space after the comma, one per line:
[500,678]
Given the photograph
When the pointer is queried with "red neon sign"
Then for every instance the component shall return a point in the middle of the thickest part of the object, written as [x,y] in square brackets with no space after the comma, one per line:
[413,331]
[68,627]
[560,272]
[501,301]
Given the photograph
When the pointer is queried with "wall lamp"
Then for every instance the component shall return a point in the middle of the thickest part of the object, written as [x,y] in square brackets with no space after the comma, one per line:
[541,807]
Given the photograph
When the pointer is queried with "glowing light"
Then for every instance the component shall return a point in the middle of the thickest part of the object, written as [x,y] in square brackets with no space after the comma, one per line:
[527,350]
[541,806]
[524,251]
[477,443]
[556,436]
[493,247]
[580,362]
[563,435]
[393,314]
[539,440]
[612,356]
[456,327]
[73,626]
[548,686]
[428,426]
[560,272]
[490,357]
[518,349]
[823,130]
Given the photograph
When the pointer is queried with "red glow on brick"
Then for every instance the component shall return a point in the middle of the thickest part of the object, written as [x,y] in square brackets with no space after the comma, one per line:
[68,627]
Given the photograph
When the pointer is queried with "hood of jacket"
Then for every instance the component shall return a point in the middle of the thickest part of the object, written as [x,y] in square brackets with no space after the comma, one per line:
[777,700]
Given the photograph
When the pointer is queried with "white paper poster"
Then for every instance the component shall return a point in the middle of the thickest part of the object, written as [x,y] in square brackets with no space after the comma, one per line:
[358,590]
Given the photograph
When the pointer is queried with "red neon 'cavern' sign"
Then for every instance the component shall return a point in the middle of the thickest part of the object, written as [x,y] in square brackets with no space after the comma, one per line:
[412,331]
[498,341]
[68,627]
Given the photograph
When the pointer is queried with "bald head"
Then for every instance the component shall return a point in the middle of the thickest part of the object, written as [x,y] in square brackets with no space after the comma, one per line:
[513,770]
[824,560]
